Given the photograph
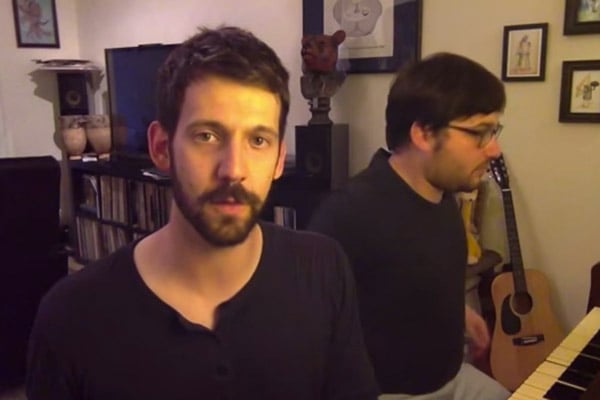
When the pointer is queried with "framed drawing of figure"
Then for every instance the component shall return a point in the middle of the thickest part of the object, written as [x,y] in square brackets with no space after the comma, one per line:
[35,23]
[581,17]
[580,91]
[524,52]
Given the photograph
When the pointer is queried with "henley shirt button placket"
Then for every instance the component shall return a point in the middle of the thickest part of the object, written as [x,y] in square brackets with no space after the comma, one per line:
[224,374]
[223,371]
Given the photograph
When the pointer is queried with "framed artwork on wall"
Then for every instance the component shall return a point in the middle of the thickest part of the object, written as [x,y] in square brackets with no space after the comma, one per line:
[35,23]
[580,92]
[381,35]
[524,52]
[581,17]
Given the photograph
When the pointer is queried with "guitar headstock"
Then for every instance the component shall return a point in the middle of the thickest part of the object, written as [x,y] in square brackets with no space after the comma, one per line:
[499,172]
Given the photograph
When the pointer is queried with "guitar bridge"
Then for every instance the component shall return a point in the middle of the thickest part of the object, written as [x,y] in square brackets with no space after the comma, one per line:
[528,340]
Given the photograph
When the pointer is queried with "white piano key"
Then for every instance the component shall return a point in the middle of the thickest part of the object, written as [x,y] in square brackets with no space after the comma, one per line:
[521,396]
[530,392]
[551,369]
[562,356]
[547,373]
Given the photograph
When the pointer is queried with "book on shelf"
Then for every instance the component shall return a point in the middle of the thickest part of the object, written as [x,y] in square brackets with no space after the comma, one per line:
[91,195]
[156,173]
[284,216]
[105,197]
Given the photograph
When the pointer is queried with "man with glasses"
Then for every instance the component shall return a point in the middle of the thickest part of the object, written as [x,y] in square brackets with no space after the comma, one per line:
[401,227]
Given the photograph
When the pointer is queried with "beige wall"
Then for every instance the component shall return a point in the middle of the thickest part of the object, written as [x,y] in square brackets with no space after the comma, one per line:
[27,99]
[554,167]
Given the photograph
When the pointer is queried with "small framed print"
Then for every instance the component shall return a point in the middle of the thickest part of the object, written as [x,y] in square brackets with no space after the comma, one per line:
[580,92]
[381,35]
[35,23]
[582,17]
[524,52]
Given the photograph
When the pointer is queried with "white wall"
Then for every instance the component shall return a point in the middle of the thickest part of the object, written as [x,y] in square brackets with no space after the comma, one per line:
[28,99]
[554,167]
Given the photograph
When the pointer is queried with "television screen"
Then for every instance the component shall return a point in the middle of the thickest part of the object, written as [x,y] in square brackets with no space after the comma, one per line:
[131,78]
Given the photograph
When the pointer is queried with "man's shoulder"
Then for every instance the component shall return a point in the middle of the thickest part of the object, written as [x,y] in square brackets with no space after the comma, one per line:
[304,249]
[305,258]
[75,293]
[297,241]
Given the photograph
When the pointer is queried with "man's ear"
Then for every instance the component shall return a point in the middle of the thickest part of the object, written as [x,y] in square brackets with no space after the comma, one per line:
[421,137]
[158,145]
[280,161]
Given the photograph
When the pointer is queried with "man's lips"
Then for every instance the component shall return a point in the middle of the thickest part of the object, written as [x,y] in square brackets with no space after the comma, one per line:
[229,206]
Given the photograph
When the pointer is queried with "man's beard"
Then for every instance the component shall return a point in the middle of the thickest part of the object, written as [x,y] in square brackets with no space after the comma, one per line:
[453,181]
[218,230]
[454,184]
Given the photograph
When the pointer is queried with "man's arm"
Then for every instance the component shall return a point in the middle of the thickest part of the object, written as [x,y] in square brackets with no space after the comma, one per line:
[48,377]
[477,331]
[350,374]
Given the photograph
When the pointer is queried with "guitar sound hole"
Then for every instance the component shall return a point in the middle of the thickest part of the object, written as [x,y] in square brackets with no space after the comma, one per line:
[522,303]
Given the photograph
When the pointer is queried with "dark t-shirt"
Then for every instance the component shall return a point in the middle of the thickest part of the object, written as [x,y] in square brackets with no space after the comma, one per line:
[292,332]
[409,258]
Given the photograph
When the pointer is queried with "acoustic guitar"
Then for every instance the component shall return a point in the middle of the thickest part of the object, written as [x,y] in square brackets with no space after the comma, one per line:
[526,330]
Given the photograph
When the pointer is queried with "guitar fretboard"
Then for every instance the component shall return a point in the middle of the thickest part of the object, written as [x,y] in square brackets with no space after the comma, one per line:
[513,242]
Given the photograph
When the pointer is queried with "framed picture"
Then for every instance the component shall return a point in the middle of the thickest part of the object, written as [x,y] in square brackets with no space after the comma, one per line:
[35,23]
[580,92]
[381,35]
[581,17]
[524,52]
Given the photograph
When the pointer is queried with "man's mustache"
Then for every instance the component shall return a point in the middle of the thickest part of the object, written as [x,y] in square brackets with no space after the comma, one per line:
[227,192]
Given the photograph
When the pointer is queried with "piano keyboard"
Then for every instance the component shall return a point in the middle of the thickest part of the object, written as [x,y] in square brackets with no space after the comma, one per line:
[569,370]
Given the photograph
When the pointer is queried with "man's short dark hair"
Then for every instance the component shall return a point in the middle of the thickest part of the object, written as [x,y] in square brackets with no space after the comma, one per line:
[227,52]
[437,90]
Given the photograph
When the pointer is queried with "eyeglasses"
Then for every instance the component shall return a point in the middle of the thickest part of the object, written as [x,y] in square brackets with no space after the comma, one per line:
[485,135]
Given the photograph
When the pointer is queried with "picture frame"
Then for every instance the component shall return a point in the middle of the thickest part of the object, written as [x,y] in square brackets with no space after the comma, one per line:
[524,52]
[580,91]
[35,23]
[581,17]
[382,36]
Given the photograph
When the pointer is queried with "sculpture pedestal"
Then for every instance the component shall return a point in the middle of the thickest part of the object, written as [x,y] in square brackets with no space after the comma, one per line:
[319,108]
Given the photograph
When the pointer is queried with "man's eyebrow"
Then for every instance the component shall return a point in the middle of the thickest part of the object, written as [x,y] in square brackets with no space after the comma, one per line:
[486,125]
[219,127]
[265,130]
[202,123]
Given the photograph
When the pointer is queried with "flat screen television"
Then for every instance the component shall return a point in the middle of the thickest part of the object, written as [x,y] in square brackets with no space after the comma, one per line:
[131,79]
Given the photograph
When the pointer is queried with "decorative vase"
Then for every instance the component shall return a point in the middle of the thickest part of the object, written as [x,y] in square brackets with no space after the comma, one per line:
[73,136]
[97,128]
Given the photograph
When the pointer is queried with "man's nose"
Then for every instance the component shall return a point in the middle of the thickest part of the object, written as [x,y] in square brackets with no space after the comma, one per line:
[492,148]
[232,163]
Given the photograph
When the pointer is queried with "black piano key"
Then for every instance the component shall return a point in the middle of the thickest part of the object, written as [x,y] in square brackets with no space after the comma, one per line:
[591,350]
[586,364]
[560,391]
[576,378]
[596,339]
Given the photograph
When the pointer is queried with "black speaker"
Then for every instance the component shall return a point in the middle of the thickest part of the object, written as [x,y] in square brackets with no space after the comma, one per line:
[74,93]
[322,153]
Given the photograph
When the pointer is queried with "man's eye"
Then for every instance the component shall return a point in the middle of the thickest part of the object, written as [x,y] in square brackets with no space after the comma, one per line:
[205,137]
[259,141]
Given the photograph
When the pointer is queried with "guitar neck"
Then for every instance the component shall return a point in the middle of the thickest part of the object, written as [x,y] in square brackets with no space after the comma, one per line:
[513,242]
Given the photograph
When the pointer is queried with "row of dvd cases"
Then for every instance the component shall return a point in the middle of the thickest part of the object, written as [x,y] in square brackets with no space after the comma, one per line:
[113,206]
